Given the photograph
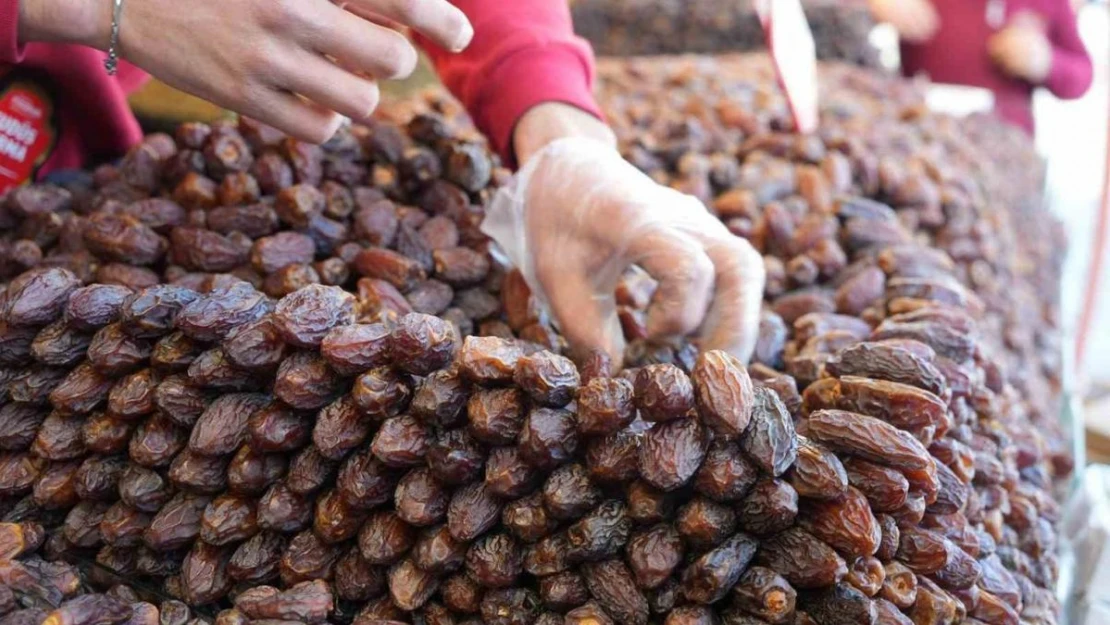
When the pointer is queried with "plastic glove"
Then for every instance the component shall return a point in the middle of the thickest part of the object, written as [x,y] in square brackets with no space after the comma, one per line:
[915,20]
[1022,50]
[577,215]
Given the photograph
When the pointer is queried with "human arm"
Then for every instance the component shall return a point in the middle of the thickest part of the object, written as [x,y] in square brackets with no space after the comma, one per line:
[294,64]
[524,54]
[577,214]
[1071,71]
[11,48]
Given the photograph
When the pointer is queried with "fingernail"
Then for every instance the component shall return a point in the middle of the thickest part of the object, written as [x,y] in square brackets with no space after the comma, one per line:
[464,37]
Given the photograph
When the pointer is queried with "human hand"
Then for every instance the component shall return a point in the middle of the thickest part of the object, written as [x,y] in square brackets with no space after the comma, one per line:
[577,215]
[296,65]
[915,20]
[1022,49]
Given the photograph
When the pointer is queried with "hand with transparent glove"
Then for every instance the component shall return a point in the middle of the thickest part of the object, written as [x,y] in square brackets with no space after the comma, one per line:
[577,215]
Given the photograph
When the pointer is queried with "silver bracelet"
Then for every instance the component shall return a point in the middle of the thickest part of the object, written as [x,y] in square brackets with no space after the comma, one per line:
[112,61]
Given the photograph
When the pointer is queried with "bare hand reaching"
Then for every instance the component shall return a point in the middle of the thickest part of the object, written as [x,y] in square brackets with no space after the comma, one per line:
[297,65]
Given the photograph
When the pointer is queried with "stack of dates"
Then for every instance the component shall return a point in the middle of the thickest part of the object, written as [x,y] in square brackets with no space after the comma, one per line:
[840,28]
[249,380]
[717,127]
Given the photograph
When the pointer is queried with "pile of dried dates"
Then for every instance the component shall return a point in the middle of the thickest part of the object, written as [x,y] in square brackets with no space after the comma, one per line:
[841,28]
[250,380]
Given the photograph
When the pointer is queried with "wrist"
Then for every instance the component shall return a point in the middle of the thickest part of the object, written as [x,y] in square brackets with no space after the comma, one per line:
[83,22]
[549,121]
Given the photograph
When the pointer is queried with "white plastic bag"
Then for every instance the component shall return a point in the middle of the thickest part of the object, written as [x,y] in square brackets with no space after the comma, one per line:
[1085,540]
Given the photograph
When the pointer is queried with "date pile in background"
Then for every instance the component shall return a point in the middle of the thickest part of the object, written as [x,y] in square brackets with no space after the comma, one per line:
[841,28]
[249,380]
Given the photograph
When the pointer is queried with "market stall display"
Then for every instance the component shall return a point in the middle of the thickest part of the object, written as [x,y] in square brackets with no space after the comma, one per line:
[258,379]
[841,29]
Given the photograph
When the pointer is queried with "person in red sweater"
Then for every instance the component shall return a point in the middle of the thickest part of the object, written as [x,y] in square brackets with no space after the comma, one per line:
[1008,46]
[574,217]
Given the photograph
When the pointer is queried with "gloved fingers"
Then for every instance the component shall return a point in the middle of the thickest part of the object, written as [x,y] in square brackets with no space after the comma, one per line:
[586,316]
[575,217]
[732,323]
[678,262]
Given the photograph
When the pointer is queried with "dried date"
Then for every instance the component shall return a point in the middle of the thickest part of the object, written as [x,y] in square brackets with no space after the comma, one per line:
[612,585]
[671,453]
[663,392]
[803,559]
[177,523]
[763,593]
[257,559]
[605,405]
[724,393]
[613,459]
[472,511]
[868,438]
[222,427]
[709,577]
[769,440]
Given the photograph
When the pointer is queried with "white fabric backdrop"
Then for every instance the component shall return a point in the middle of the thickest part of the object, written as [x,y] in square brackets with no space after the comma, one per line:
[1072,135]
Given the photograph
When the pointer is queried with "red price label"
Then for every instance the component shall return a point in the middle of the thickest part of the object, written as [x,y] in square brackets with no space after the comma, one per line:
[26,133]
[794,55]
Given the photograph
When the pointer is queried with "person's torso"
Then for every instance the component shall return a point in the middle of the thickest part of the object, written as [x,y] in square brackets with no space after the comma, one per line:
[958,53]
[59,109]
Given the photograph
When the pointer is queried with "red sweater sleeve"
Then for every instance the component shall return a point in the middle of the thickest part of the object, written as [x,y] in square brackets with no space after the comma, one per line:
[11,52]
[523,53]
[1071,72]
